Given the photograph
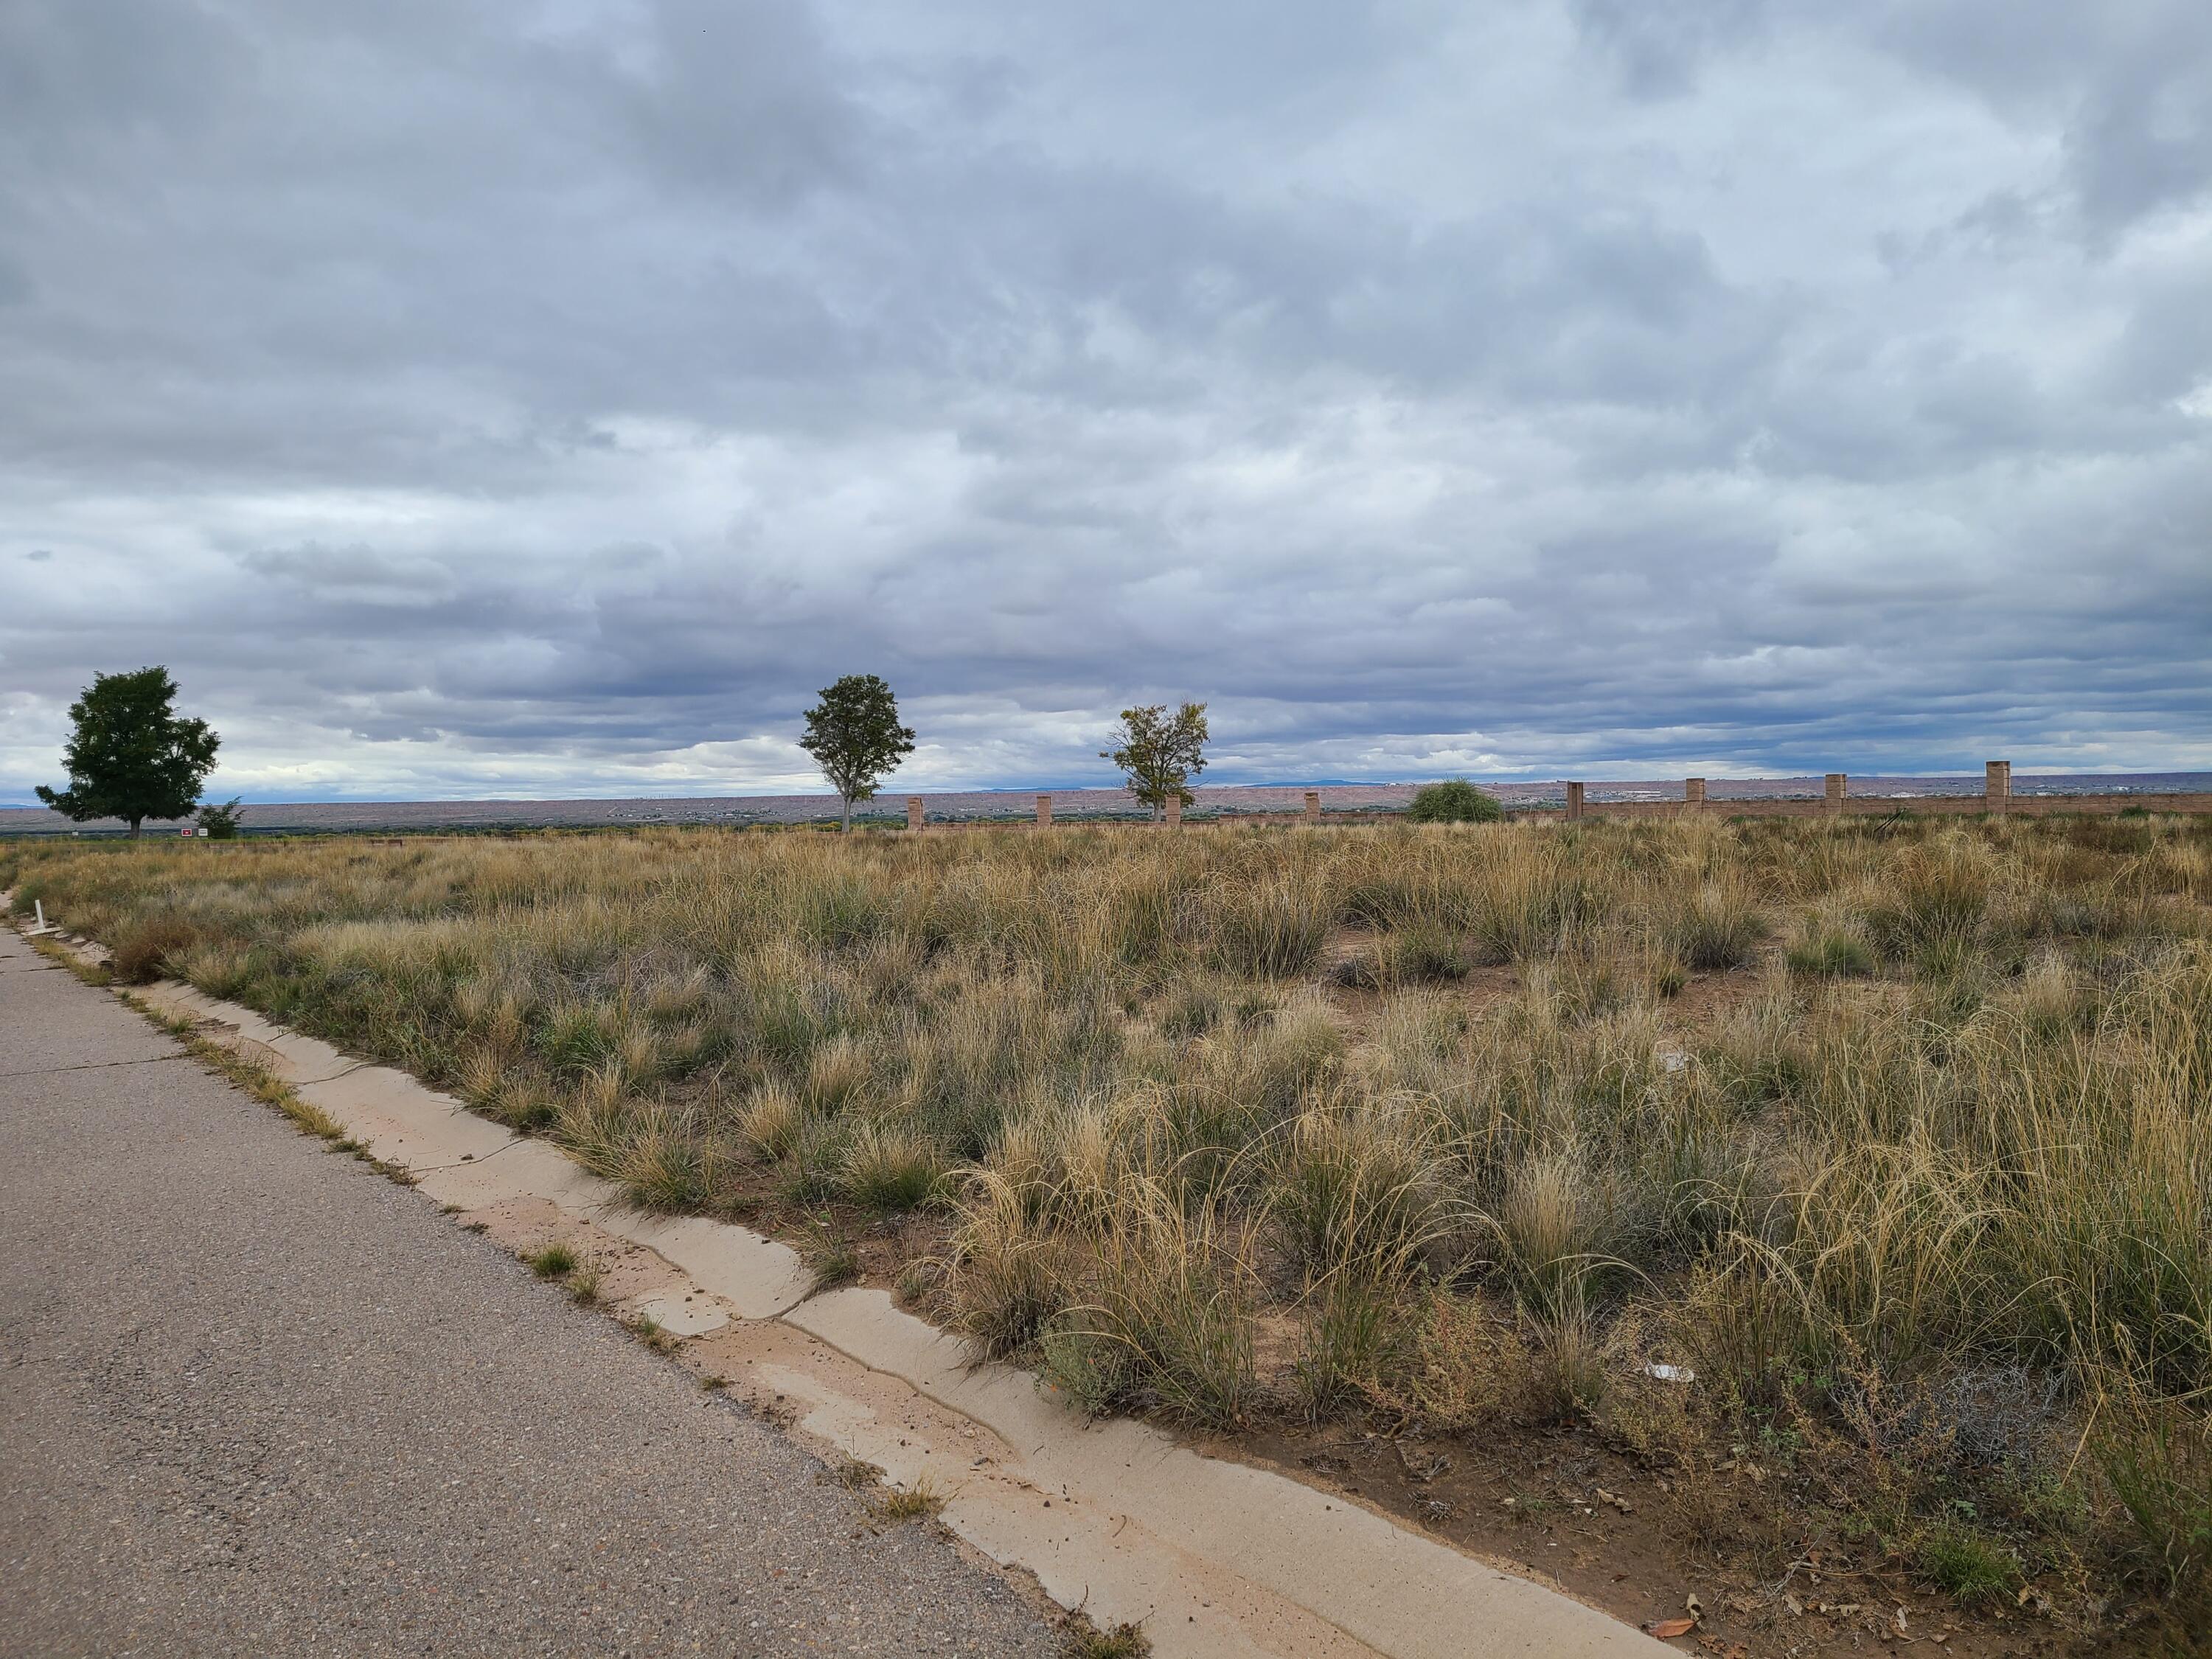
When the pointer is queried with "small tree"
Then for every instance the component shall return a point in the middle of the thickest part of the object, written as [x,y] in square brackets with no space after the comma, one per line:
[1453,801]
[130,756]
[221,823]
[856,737]
[1158,754]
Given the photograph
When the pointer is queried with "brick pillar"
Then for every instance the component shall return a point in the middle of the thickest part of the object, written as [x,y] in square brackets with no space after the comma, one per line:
[1044,811]
[1694,793]
[1313,806]
[1173,808]
[1835,800]
[1996,784]
[1574,800]
[914,812]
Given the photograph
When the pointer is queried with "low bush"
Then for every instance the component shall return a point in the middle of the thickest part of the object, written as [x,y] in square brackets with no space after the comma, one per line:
[1453,801]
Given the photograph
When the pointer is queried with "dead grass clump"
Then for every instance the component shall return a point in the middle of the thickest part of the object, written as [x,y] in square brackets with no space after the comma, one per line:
[151,948]
[924,1500]
[1455,1368]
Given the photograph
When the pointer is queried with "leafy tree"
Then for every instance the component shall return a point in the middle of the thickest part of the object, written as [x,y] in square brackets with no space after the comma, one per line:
[1159,754]
[856,737]
[221,823]
[1453,801]
[132,757]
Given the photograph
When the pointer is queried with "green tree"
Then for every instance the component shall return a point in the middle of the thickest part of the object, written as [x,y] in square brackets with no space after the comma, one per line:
[1158,753]
[221,823]
[1453,801]
[131,756]
[856,737]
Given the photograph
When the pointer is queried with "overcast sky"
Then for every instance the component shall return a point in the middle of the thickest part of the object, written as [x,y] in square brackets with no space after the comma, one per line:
[547,397]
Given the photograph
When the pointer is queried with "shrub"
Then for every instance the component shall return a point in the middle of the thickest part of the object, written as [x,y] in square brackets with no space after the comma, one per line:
[220,822]
[1450,1368]
[1453,801]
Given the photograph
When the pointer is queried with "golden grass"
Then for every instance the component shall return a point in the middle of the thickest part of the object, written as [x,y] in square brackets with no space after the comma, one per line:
[1838,1110]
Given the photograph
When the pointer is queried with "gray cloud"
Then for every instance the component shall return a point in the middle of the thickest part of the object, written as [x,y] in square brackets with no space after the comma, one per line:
[495,397]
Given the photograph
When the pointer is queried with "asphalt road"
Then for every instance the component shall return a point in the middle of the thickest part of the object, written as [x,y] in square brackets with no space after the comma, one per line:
[255,1399]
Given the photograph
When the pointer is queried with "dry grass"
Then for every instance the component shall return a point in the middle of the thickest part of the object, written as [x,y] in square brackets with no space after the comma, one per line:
[1840,1112]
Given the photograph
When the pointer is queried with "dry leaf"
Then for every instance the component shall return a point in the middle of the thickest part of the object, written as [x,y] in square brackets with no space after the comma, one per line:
[1667,1629]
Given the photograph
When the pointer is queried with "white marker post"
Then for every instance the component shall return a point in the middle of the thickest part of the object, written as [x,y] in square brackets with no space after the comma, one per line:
[43,927]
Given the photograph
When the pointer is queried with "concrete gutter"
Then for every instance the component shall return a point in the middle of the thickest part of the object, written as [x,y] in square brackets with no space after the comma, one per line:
[1116,1518]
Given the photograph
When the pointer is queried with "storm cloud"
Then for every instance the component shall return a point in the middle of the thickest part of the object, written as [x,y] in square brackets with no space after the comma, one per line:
[549,396]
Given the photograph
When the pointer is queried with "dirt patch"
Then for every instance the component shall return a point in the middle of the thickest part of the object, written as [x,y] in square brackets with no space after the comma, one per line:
[1595,1523]
[1706,1000]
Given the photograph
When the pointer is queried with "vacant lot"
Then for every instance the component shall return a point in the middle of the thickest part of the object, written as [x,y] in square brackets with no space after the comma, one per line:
[1898,1136]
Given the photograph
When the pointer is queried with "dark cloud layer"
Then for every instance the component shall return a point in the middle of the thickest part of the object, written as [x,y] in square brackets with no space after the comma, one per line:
[547,398]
